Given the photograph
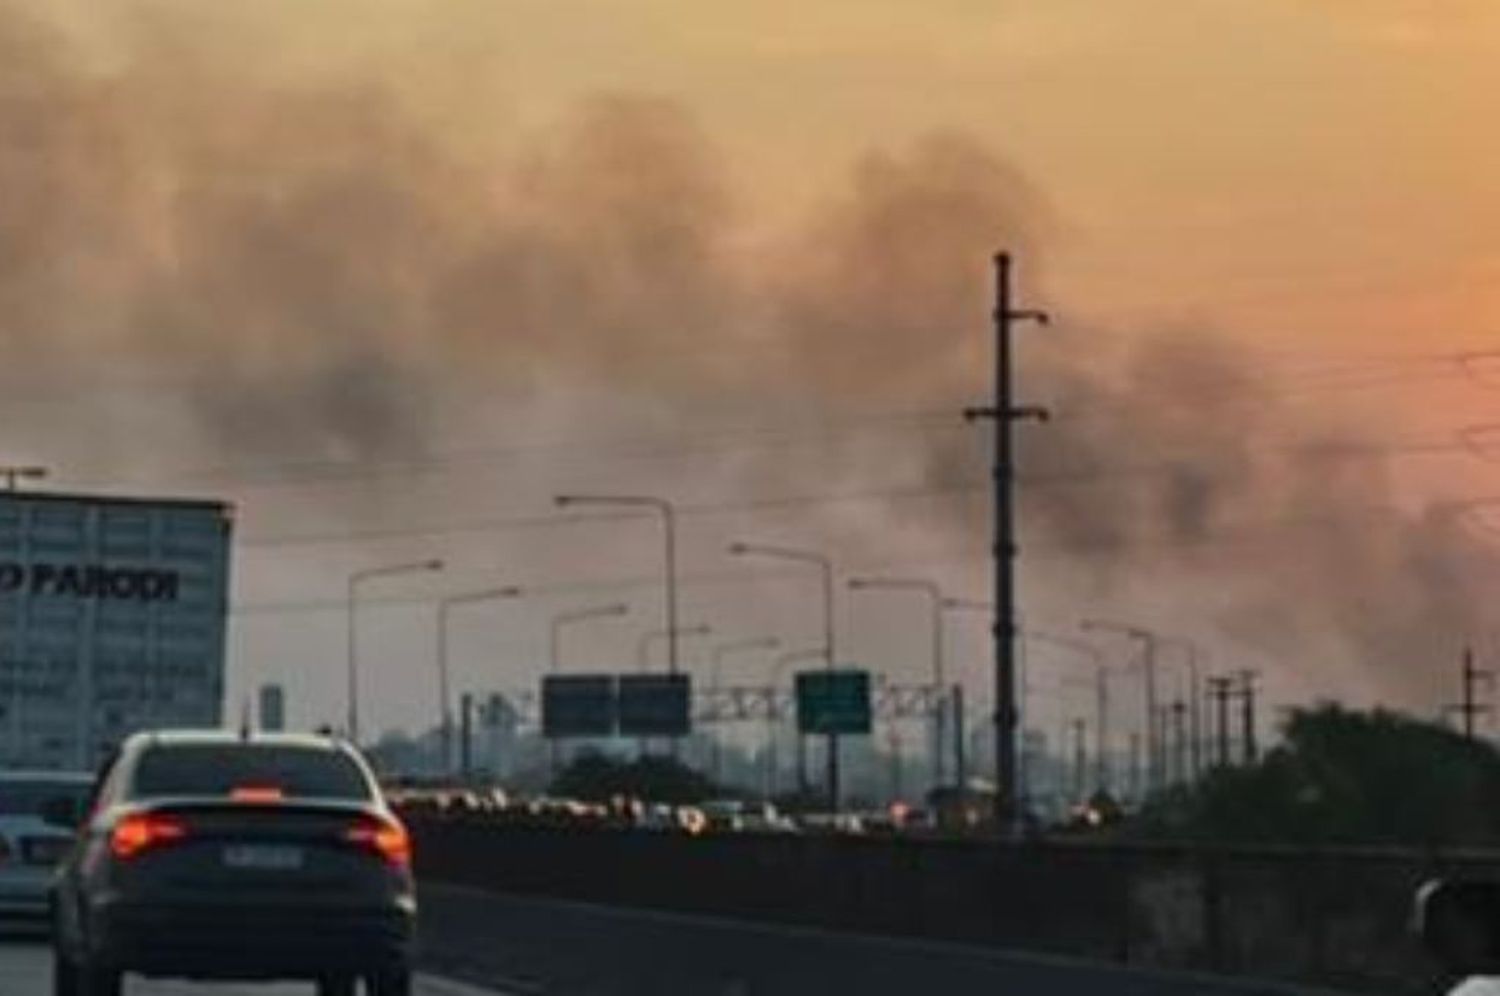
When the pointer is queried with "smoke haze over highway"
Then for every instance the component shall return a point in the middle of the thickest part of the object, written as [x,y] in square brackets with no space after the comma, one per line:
[389,301]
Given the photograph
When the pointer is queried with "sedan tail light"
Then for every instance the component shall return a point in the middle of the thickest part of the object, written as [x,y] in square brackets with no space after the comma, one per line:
[140,832]
[386,837]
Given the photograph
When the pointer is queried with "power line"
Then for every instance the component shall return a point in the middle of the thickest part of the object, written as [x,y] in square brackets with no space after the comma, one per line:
[297,473]
[960,489]
[969,554]
[1231,389]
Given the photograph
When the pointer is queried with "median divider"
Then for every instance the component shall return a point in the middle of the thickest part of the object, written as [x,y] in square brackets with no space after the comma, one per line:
[1336,918]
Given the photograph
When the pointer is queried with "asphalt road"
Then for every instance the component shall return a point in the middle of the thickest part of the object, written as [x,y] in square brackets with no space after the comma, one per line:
[508,946]
[26,970]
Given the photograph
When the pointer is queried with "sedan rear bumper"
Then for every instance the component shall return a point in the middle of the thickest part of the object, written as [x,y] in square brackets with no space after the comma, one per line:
[264,941]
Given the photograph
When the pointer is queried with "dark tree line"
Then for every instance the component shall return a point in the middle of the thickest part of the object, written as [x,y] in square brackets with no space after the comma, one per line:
[1344,777]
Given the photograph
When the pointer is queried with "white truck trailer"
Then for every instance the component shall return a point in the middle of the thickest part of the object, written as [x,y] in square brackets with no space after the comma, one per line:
[112,619]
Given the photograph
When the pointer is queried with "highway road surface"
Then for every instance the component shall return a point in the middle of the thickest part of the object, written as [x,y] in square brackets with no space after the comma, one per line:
[510,946]
[26,970]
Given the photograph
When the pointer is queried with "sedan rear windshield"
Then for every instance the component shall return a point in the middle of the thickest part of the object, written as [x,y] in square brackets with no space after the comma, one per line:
[212,770]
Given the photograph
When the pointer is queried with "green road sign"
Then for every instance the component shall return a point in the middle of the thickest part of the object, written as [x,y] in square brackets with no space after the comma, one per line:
[833,701]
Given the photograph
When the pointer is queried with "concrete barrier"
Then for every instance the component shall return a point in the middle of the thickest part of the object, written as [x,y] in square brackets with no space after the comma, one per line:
[1332,918]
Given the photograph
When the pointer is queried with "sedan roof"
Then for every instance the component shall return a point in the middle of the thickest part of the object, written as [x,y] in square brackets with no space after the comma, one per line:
[253,738]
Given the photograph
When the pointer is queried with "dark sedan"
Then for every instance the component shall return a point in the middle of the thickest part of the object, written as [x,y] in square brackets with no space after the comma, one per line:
[211,855]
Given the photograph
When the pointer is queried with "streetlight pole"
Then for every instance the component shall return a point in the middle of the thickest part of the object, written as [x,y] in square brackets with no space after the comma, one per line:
[355,580]
[1150,643]
[1101,696]
[988,608]
[668,514]
[554,643]
[723,650]
[825,566]
[445,701]
[792,657]
[643,648]
[720,652]
[935,598]
[554,652]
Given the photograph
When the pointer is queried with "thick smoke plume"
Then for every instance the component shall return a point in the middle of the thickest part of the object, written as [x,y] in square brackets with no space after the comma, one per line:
[310,271]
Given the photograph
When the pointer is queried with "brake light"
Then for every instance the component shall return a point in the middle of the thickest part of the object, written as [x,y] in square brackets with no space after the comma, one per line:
[388,838]
[139,832]
[256,793]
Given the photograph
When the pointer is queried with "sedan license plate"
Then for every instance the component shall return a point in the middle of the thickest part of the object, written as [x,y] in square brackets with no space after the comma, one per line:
[263,857]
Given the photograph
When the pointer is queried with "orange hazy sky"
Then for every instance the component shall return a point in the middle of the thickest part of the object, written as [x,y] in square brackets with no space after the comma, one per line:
[1320,178]
[1315,173]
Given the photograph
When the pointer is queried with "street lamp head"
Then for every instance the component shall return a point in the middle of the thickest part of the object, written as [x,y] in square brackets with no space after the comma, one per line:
[435,564]
[858,584]
[562,501]
[738,549]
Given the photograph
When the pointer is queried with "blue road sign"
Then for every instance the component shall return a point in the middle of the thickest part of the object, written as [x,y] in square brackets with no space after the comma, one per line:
[655,705]
[578,705]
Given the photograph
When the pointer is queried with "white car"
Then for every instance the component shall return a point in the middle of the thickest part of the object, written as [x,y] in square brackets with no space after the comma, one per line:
[39,815]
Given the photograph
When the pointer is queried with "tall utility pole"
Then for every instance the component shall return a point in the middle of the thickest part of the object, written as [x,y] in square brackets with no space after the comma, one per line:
[1135,765]
[893,744]
[1080,759]
[1180,773]
[1005,415]
[830,656]
[466,743]
[1470,708]
[1247,715]
[1221,690]
[960,753]
[1101,728]
[1195,707]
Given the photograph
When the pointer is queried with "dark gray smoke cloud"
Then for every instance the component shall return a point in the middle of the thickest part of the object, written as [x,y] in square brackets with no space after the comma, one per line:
[313,274]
